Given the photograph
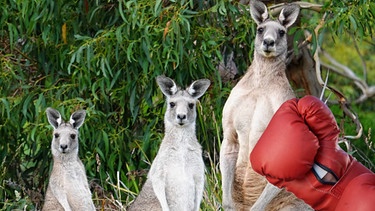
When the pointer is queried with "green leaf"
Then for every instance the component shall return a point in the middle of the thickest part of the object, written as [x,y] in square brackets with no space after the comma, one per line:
[157,8]
[5,106]
[353,23]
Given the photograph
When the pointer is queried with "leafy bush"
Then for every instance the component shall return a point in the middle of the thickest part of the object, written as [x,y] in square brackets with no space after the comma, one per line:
[103,57]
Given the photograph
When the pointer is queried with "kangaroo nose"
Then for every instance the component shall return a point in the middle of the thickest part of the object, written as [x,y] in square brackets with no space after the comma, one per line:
[268,42]
[181,116]
[63,146]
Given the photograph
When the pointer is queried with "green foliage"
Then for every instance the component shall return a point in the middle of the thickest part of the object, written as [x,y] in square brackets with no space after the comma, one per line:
[353,17]
[363,149]
[103,57]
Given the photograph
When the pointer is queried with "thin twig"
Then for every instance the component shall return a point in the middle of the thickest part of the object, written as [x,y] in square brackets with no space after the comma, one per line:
[316,54]
[324,86]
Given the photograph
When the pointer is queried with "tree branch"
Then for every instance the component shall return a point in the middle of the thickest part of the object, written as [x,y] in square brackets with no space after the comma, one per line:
[341,98]
[337,67]
[276,9]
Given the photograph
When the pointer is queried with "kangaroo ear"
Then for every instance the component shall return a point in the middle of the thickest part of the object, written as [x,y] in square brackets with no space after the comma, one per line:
[167,85]
[288,15]
[258,11]
[77,119]
[198,88]
[54,117]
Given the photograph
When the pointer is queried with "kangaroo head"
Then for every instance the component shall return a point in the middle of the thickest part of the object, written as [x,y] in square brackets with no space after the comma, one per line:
[65,134]
[181,103]
[270,40]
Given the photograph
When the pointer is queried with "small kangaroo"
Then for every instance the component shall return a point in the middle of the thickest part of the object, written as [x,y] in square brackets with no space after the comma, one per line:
[68,188]
[176,177]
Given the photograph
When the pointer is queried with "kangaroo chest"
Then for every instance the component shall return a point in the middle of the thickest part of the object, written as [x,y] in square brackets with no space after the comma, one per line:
[253,105]
[71,176]
[181,165]
[185,163]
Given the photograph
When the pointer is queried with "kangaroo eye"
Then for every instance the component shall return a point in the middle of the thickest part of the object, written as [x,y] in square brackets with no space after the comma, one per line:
[260,30]
[281,33]
[172,104]
[57,135]
[73,136]
[191,105]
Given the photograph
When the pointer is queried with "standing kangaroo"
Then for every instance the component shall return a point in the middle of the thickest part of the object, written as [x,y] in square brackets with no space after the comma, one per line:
[247,112]
[176,177]
[68,188]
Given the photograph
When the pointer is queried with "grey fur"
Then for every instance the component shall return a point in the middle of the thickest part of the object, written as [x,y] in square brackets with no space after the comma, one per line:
[251,105]
[176,177]
[68,188]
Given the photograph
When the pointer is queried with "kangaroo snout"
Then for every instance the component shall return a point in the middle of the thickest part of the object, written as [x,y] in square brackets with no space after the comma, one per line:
[268,43]
[63,148]
[181,116]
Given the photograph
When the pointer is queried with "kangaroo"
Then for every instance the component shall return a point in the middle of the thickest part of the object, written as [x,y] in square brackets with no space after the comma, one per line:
[247,112]
[68,188]
[176,177]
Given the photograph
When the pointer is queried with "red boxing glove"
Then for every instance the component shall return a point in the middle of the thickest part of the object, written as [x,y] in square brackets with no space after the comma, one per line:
[322,123]
[303,133]
[359,194]
[287,148]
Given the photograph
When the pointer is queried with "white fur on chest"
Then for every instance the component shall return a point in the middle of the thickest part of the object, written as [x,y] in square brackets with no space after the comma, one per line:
[180,163]
[72,178]
[180,167]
